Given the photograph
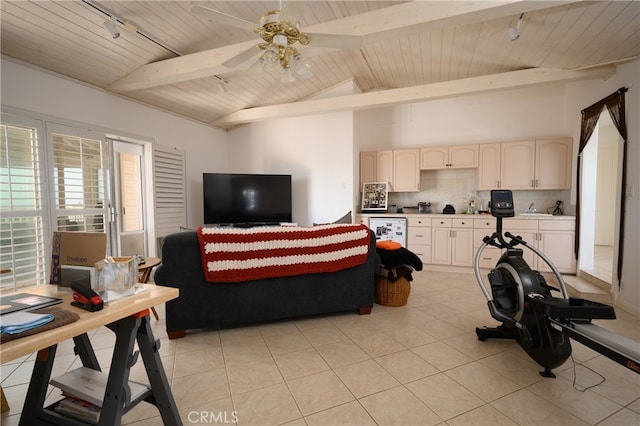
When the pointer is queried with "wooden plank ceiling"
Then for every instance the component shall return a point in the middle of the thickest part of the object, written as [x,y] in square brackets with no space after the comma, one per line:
[172,59]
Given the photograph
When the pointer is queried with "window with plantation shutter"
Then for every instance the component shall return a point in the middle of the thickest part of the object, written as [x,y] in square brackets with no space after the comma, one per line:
[170,190]
[22,224]
[79,180]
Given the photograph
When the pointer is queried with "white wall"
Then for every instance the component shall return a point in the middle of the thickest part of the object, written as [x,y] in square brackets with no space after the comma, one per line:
[514,115]
[66,100]
[317,151]
[583,94]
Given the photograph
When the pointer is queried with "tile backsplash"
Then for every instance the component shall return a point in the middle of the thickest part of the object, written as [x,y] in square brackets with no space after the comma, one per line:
[457,187]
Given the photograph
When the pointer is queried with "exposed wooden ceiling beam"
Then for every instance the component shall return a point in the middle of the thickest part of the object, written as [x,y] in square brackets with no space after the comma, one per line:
[427,92]
[393,21]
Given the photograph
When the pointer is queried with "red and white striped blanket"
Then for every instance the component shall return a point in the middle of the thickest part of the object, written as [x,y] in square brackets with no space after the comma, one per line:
[241,254]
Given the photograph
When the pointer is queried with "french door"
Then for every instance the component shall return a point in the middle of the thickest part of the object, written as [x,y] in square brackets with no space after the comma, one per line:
[129,229]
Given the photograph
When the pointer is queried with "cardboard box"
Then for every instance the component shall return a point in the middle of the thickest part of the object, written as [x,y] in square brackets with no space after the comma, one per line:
[76,248]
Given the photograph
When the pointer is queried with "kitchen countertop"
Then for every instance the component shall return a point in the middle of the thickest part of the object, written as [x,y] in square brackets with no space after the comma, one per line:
[466,216]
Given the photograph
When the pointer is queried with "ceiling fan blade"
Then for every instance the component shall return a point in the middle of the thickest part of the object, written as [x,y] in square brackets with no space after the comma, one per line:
[222,18]
[241,57]
[290,10]
[338,41]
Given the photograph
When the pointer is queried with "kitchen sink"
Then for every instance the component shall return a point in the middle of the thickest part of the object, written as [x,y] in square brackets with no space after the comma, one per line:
[535,214]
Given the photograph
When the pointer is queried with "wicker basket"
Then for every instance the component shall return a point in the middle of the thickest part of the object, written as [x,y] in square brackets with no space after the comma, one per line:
[392,293]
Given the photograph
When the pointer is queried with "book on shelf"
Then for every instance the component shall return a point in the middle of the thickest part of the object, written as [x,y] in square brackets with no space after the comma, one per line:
[79,409]
[90,385]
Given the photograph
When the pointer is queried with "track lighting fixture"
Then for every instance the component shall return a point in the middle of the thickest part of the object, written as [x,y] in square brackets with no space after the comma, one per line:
[514,33]
[223,84]
[111,27]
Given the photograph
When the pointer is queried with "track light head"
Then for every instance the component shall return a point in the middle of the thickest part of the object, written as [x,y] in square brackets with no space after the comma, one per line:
[111,27]
[514,33]
[223,84]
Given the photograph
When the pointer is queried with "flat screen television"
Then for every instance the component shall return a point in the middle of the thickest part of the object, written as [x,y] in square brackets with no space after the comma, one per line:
[246,199]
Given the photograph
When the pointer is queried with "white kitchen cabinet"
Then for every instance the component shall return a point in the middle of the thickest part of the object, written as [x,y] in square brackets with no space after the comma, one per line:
[376,166]
[483,228]
[368,167]
[362,219]
[406,170]
[488,175]
[384,167]
[400,168]
[553,163]
[449,157]
[527,165]
[419,237]
[554,238]
[452,241]
[517,165]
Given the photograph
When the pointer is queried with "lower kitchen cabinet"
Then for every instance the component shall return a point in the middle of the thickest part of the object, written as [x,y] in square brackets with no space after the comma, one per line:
[419,238]
[554,238]
[483,228]
[452,242]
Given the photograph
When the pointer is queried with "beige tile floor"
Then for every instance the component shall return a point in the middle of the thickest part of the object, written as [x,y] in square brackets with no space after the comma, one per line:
[420,364]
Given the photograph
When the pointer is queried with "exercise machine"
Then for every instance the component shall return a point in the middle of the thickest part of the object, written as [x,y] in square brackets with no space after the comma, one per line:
[521,300]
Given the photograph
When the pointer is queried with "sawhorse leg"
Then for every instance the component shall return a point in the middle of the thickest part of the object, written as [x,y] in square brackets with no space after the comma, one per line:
[161,391]
[37,392]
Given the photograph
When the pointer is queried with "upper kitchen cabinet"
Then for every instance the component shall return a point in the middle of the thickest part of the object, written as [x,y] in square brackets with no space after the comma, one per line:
[517,164]
[553,163]
[368,167]
[406,170]
[542,164]
[376,166]
[449,157]
[399,167]
[489,166]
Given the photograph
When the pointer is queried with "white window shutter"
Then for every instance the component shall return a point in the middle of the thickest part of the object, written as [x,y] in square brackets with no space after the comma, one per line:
[169,171]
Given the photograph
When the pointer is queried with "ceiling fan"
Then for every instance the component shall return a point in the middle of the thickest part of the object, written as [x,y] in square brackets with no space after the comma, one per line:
[279,31]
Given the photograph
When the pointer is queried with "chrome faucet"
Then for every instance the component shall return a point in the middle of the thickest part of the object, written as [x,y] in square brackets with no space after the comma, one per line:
[532,208]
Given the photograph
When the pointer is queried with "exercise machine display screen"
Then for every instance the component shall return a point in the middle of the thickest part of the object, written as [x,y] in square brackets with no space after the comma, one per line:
[502,203]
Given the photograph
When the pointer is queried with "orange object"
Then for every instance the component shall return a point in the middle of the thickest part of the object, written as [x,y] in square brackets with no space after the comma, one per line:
[141,314]
[388,245]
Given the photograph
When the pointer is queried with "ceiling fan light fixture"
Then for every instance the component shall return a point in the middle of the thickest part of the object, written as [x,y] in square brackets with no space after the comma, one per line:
[286,76]
[270,56]
[258,67]
[302,67]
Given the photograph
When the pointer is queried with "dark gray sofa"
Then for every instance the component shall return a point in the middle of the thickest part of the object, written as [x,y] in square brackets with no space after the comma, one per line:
[203,304]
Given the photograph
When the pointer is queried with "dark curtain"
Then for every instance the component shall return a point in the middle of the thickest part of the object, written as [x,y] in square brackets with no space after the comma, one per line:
[615,104]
